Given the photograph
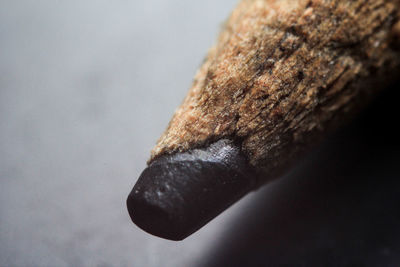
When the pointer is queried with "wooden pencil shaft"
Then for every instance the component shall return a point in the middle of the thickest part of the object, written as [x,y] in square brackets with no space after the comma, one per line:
[285,72]
[282,74]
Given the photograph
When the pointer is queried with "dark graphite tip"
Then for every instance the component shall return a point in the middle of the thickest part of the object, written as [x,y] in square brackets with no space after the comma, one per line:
[178,194]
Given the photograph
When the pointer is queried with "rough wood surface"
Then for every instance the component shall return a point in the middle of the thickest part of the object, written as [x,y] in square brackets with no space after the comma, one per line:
[283,73]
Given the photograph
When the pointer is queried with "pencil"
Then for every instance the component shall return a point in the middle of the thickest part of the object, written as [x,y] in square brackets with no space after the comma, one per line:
[281,76]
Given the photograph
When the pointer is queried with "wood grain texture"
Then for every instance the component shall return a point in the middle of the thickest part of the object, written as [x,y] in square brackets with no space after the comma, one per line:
[283,73]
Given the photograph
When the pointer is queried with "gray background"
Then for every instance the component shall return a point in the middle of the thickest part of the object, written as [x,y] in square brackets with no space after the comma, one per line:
[86,88]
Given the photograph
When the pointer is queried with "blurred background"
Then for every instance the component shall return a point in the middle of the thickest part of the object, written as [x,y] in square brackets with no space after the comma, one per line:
[87,87]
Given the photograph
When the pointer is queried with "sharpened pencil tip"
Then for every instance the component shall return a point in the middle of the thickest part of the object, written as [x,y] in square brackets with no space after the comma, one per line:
[178,194]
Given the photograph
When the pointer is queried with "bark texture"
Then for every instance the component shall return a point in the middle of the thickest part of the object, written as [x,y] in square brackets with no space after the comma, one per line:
[283,73]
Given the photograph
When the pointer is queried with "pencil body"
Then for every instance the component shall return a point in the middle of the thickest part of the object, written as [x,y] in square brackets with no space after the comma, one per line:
[282,75]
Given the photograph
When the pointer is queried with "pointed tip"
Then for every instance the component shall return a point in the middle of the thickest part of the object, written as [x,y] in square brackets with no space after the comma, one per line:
[178,194]
[152,217]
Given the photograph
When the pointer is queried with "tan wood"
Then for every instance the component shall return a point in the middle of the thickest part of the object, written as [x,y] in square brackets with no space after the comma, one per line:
[283,73]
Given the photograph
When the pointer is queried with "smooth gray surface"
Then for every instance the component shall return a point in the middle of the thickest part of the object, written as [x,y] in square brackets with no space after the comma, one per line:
[86,88]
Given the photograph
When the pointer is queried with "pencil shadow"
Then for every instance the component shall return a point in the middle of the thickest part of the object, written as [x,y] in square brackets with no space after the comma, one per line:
[340,207]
